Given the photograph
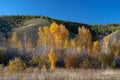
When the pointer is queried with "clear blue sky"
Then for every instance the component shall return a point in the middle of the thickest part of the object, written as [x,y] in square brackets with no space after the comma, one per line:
[84,11]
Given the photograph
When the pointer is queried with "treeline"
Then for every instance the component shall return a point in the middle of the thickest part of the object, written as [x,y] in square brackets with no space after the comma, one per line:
[55,49]
[97,31]
[17,20]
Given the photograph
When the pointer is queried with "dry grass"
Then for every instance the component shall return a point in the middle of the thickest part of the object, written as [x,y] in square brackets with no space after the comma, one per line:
[64,74]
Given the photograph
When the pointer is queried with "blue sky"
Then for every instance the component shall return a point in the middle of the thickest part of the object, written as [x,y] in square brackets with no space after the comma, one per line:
[84,11]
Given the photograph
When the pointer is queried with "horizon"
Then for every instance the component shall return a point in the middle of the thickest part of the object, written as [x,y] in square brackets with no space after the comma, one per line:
[83,11]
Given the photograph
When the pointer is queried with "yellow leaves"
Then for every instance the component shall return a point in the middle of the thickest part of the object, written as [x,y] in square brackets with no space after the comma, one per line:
[64,32]
[116,53]
[114,50]
[40,31]
[52,58]
[66,44]
[105,44]
[19,45]
[96,48]
[14,37]
[46,29]
[56,33]
[54,36]
[29,45]
[83,39]
[84,35]
[96,43]
[73,44]
[54,27]
[16,65]
[105,40]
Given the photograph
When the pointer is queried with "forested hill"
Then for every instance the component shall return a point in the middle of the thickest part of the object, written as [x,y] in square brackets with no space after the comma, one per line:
[10,23]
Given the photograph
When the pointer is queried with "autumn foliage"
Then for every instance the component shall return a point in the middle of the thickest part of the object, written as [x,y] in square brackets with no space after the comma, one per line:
[52,58]
[16,65]
[55,48]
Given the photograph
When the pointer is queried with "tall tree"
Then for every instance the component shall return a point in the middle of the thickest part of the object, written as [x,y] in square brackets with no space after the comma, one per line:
[14,37]
[105,43]
[96,48]
[84,39]
[14,40]
[66,44]
[19,45]
[59,33]
[52,58]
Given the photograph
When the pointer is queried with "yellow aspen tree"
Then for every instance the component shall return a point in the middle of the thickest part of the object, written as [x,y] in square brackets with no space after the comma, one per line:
[64,36]
[19,45]
[52,58]
[73,44]
[66,44]
[64,32]
[46,29]
[14,38]
[96,48]
[60,34]
[46,35]
[54,27]
[55,30]
[105,45]
[84,39]
[29,45]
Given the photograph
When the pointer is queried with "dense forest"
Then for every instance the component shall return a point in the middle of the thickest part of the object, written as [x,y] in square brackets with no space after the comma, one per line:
[54,47]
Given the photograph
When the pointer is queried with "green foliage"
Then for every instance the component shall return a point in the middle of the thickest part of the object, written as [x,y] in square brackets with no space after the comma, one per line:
[36,62]
[3,56]
[107,61]
[90,62]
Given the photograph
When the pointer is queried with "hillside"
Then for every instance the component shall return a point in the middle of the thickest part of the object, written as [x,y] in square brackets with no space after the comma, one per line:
[40,41]
[113,38]
[30,24]
[30,29]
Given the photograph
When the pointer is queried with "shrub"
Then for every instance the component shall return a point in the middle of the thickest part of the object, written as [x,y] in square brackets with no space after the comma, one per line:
[85,63]
[16,65]
[3,57]
[36,62]
[72,60]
